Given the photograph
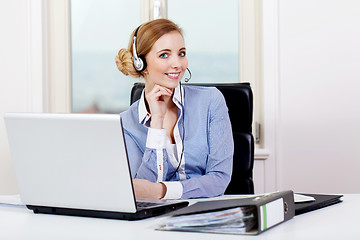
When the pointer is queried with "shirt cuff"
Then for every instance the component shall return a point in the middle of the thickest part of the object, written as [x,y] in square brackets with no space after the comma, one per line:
[156,138]
[174,190]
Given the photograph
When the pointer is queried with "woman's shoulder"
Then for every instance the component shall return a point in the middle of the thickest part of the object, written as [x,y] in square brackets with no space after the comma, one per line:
[130,114]
[204,92]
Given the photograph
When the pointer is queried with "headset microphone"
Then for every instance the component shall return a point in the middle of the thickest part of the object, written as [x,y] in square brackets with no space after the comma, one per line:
[139,61]
[187,79]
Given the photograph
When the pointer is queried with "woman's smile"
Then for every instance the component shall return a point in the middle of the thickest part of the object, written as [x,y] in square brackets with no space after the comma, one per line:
[173,76]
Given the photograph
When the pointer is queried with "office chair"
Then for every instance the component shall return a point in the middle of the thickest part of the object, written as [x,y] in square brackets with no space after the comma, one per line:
[239,100]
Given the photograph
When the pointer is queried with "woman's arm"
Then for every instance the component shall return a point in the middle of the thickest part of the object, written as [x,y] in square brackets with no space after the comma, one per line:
[149,161]
[144,169]
[220,159]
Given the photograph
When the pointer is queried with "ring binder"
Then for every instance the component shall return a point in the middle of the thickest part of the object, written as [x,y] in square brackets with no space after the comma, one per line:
[258,214]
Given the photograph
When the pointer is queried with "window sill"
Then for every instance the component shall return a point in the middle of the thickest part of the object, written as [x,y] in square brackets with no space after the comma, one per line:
[261,154]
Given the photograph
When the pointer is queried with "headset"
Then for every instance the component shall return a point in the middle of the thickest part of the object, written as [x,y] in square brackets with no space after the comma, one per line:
[139,61]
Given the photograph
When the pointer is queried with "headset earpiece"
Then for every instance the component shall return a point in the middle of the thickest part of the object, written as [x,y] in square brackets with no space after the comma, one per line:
[139,61]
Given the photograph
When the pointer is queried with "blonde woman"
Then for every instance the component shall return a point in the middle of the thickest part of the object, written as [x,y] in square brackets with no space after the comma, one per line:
[179,139]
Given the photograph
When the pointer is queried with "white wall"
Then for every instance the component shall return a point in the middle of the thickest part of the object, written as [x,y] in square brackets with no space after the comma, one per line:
[13,78]
[318,147]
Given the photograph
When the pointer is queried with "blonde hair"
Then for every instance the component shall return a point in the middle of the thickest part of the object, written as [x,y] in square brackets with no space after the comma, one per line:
[147,35]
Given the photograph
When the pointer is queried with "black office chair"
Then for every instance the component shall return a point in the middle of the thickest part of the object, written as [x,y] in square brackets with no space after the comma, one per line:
[239,100]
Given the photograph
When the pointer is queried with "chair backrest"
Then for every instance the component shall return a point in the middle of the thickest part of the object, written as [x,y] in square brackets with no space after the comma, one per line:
[239,100]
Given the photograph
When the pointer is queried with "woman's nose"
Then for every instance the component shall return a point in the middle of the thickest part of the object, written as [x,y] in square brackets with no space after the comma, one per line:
[176,62]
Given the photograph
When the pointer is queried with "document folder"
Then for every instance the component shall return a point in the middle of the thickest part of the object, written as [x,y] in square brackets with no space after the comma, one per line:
[321,201]
[250,216]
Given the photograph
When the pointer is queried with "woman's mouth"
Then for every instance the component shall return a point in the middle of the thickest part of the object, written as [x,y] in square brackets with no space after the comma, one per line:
[173,76]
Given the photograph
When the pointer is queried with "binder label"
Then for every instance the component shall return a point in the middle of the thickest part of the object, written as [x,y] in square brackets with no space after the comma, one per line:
[272,213]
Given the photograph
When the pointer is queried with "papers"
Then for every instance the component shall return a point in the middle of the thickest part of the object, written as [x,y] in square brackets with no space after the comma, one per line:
[237,220]
[11,200]
[299,198]
[222,197]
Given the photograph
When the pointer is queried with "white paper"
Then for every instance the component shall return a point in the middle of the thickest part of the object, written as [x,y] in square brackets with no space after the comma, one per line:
[298,198]
[11,200]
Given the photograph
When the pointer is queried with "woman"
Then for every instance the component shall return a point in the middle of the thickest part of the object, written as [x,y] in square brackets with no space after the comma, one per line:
[178,138]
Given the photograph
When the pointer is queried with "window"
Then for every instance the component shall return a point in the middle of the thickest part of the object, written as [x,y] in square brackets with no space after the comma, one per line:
[97,85]
[211,36]
[243,18]
[98,30]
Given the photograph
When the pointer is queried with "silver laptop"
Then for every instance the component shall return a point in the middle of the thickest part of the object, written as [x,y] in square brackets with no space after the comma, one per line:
[76,164]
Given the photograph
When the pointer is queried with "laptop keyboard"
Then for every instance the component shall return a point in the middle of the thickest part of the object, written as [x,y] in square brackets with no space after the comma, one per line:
[145,204]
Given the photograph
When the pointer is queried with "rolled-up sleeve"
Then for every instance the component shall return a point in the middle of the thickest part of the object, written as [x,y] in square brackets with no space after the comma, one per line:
[154,164]
[174,190]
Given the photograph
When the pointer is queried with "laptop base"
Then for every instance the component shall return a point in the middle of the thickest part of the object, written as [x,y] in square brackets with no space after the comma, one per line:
[140,214]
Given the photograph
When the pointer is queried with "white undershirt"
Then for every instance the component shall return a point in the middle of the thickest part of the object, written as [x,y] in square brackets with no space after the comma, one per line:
[172,153]
[157,139]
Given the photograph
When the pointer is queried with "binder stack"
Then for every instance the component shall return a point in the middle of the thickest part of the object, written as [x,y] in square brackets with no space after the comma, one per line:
[249,216]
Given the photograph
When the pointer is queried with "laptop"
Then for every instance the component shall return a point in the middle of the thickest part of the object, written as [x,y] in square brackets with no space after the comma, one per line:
[76,164]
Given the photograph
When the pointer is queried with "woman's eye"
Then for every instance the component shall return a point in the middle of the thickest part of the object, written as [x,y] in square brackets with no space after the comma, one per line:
[164,55]
[182,54]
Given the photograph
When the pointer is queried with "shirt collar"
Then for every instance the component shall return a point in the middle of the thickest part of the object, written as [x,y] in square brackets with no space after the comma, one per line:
[178,97]
[144,115]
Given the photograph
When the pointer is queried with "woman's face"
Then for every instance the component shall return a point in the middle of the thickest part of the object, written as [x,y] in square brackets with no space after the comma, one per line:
[166,61]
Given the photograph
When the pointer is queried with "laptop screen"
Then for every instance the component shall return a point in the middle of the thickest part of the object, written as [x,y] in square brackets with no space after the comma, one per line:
[71,160]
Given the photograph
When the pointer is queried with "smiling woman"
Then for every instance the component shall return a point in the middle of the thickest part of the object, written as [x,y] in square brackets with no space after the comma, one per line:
[164,161]
[167,60]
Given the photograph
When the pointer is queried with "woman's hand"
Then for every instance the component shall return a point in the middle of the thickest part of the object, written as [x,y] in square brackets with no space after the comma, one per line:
[157,104]
[146,189]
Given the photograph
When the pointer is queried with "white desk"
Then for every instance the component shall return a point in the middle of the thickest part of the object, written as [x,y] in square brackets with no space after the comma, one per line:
[340,221]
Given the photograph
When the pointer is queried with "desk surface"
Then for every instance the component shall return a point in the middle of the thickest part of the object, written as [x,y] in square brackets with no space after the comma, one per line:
[340,221]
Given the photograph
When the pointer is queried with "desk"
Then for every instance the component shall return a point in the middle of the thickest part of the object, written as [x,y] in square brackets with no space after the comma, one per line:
[340,221]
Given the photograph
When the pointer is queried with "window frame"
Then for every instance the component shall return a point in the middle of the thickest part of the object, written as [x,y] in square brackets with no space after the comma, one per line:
[54,32]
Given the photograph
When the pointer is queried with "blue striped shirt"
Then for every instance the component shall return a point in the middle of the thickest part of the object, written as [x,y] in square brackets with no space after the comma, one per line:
[205,130]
